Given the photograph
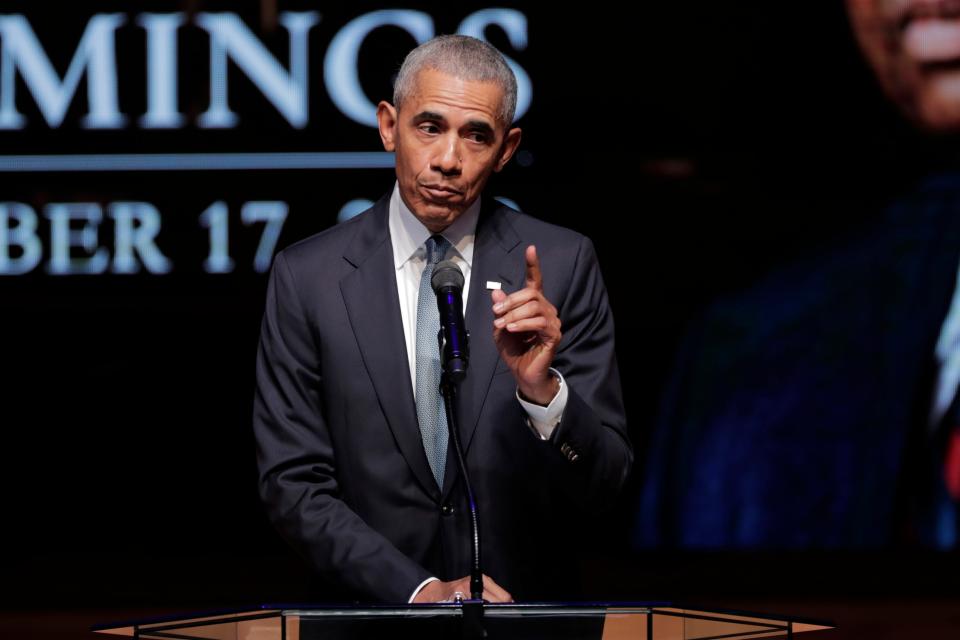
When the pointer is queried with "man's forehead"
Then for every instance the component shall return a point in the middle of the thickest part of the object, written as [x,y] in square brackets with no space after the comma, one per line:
[447,95]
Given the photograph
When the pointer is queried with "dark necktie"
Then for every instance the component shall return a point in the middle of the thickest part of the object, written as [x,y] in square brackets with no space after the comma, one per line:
[951,464]
[940,498]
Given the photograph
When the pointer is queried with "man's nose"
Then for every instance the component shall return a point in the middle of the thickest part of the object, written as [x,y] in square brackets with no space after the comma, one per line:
[447,160]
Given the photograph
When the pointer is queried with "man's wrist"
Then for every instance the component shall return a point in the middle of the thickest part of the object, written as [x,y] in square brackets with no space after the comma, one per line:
[543,394]
[543,420]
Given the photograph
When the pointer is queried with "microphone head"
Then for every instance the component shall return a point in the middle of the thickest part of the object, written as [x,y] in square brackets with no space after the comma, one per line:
[446,274]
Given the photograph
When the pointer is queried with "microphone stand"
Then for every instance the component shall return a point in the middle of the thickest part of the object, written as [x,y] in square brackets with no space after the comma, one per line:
[472,608]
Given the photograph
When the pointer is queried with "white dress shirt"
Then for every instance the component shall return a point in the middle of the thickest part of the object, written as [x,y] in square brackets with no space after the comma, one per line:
[407,237]
[947,354]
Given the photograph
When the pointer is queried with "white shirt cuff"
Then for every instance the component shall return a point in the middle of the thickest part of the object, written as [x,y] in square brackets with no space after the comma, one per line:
[420,587]
[545,419]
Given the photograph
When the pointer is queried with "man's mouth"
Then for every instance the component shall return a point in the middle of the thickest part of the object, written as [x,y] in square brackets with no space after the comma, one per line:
[930,31]
[440,192]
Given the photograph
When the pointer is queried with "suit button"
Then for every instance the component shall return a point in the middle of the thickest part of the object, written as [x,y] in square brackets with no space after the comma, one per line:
[569,452]
[447,509]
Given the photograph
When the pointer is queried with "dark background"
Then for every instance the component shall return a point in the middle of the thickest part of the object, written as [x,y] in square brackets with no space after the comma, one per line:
[700,145]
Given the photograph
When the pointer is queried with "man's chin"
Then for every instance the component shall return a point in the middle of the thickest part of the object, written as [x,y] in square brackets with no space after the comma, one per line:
[437,218]
[939,107]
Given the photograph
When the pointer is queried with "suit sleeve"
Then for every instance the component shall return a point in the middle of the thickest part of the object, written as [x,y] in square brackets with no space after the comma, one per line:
[296,459]
[595,454]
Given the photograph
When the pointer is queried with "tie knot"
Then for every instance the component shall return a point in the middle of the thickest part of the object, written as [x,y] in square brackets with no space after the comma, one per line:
[437,247]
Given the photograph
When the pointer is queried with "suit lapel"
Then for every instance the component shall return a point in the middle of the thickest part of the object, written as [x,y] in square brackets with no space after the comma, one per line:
[494,259]
[926,246]
[370,295]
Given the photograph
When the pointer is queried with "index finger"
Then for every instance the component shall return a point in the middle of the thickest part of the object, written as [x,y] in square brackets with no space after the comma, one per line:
[534,277]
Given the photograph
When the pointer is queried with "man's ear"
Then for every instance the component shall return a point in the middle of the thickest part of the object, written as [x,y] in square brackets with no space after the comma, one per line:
[510,143]
[387,122]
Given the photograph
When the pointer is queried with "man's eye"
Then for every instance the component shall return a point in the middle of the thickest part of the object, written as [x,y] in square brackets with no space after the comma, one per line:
[478,137]
[429,128]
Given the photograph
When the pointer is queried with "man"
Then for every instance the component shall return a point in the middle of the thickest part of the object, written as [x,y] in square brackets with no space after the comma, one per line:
[354,463]
[820,408]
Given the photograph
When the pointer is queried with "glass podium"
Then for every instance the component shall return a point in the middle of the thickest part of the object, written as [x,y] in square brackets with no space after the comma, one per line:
[636,621]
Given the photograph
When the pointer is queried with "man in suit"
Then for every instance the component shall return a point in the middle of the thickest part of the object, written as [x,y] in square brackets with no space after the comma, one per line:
[819,409]
[354,465]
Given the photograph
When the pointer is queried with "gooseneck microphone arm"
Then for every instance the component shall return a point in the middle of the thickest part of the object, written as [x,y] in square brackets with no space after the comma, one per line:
[447,282]
[449,391]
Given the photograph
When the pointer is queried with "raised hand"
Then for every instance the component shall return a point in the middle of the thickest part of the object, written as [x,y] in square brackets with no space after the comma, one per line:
[526,330]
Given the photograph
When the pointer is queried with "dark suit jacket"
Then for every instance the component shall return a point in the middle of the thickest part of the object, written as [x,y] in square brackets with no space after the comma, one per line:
[797,415]
[343,472]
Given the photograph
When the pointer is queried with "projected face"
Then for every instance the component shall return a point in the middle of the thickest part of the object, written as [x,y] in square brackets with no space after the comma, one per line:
[447,141]
[913,47]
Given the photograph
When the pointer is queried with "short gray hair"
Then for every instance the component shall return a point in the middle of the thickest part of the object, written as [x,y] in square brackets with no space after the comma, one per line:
[461,57]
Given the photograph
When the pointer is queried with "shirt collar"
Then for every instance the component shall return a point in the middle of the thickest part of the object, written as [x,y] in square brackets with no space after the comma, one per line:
[407,234]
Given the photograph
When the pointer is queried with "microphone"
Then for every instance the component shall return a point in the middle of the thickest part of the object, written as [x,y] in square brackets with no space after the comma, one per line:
[447,283]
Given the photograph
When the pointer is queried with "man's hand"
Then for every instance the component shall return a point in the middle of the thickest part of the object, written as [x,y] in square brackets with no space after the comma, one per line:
[526,330]
[439,591]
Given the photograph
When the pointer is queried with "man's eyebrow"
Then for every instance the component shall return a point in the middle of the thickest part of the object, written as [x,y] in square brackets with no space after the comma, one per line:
[472,125]
[427,116]
[480,125]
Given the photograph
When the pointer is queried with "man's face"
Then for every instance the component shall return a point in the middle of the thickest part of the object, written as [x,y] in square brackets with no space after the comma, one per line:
[448,141]
[914,48]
